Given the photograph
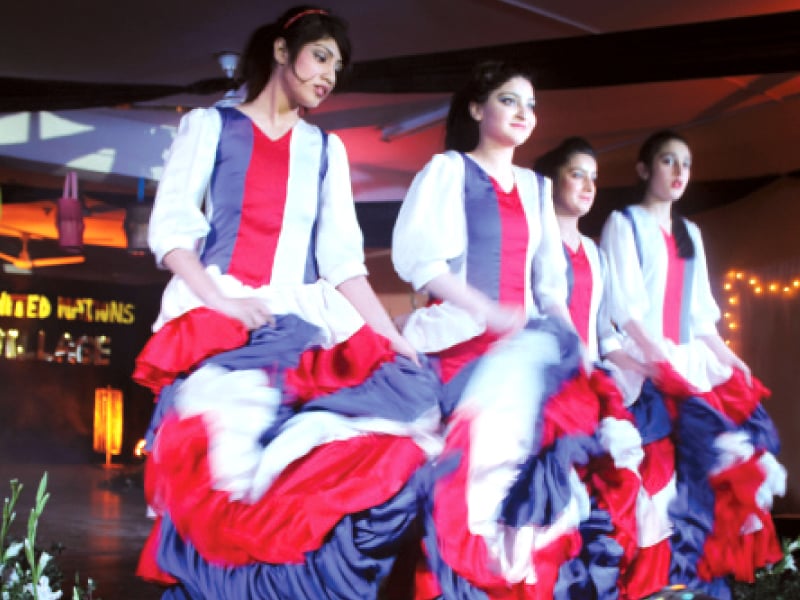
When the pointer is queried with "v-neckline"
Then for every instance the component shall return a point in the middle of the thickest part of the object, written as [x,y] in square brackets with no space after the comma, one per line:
[257,128]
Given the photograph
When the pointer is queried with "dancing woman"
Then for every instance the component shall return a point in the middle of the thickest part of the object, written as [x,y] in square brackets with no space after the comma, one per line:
[292,415]
[709,472]
[480,236]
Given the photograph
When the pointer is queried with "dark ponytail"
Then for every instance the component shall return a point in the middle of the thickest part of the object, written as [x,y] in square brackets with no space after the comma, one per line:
[298,26]
[647,154]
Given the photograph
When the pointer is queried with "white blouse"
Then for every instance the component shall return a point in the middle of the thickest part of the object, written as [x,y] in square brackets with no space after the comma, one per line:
[184,206]
[602,338]
[430,238]
[637,287]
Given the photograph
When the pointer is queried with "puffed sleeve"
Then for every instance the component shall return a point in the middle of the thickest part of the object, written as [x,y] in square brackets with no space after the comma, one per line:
[430,229]
[549,263]
[340,243]
[627,294]
[177,220]
[704,312]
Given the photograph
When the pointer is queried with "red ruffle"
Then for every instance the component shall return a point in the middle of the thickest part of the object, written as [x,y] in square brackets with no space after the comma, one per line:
[298,510]
[658,465]
[453,359]
[183,343]
[727,551]
[648,573]
[611,401]
[733,398]
[347,364]
[574,410]
[616,491]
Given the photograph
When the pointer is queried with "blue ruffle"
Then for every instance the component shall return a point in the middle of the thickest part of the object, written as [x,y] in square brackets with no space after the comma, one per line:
[762,431]
[351,564]
[593,574]
[453,389]
[165,404]
[569,346]
[650,414]
[397,390]
[277,347]
[542,489]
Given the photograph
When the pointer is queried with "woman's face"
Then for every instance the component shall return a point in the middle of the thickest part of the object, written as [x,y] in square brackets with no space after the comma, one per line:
[668,176]
[313,75]
[574,188]
[507,117]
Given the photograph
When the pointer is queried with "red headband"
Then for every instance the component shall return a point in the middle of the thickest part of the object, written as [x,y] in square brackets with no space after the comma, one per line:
[311,11]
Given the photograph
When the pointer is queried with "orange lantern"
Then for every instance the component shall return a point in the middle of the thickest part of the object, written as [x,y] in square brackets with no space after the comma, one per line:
[108,422]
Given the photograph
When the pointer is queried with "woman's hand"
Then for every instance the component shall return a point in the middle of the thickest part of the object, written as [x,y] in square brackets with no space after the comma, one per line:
[652,352]
[504,320]
[727,356]
[252,312]
[403,347]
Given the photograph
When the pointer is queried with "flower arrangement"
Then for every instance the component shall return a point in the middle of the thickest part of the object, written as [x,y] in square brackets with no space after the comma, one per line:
[780,581]
[26,572]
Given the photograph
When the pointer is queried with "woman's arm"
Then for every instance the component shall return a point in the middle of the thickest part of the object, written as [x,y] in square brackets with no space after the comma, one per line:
[252,312]
[725,355]
[499,319]
[360,294]
[650,348]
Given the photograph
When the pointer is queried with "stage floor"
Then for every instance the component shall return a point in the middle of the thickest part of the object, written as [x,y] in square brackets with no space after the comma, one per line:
[99,520]
[99,516]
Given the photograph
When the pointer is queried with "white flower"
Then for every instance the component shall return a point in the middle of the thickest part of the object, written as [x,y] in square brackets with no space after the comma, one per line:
[44,591]
[12,551]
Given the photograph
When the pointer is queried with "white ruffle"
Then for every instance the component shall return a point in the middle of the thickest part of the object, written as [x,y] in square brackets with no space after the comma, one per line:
[309,430]
[622,441]
[732,447]
[440,326]
[652,514]
[318,303]
[238,406]
[775,482]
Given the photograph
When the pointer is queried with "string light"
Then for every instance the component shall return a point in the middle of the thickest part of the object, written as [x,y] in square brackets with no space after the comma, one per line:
[733,285]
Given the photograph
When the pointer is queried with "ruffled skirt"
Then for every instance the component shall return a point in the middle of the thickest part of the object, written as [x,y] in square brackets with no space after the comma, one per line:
[537,475]
[284,463]
[707,479]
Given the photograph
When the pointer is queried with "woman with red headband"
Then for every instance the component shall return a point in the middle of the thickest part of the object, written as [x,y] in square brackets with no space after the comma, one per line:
[292,415]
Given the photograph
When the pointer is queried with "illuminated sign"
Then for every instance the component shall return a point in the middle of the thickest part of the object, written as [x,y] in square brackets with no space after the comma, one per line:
[28,342]
[87,310]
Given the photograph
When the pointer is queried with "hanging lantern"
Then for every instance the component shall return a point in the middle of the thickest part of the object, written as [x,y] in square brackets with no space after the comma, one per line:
[107,422]
[69,216]
[137,221]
